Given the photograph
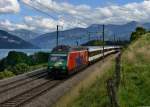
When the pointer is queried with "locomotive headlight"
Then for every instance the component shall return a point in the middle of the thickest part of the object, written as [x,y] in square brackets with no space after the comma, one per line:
[63,68]
[57,64]
[50,67]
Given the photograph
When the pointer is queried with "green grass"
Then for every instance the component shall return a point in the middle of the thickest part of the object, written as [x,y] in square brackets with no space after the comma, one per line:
[94,43]
[9,73]
[135,88]
[38,66]
[6,74]
[96,95]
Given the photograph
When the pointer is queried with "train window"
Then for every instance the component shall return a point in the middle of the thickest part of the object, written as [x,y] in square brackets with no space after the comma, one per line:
[107,50]
[95,53]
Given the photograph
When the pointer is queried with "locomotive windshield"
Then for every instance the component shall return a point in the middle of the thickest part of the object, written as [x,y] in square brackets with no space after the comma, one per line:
[58,58]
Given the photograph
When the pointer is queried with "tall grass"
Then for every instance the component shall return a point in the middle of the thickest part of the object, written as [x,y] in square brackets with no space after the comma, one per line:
[135,88]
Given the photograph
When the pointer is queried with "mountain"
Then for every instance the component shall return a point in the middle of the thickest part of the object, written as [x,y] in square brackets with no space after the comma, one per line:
[25,34]
[120,31]
[70,37]
[9,41]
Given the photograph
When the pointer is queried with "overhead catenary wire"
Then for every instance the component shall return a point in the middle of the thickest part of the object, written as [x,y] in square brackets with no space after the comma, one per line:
[59,13]
[38,10]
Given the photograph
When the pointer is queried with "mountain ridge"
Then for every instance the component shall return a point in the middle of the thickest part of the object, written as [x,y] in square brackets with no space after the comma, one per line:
[71,36]
[24,34]
[9,41]
[80,35]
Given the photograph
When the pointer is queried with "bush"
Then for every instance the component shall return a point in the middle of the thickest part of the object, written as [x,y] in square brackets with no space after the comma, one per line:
[5,74]
[3,64]
[14,58]
[94,43]
[19,61]
[137,34]
[39,58]
[20,68]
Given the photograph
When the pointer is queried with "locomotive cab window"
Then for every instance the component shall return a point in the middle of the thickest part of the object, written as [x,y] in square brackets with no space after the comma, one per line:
[54,58]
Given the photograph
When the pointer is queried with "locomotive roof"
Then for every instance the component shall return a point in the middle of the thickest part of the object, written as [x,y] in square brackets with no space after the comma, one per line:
[66,48]
[96,48]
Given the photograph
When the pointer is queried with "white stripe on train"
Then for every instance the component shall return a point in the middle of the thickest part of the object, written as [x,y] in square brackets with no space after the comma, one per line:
[100,55]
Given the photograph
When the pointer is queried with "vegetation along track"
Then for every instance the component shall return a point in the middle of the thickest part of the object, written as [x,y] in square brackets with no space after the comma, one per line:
[26,96]
[20,82]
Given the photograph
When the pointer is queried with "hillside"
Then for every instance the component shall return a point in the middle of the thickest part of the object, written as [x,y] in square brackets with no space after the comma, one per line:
[134,90]
[70,37]
[99,43]
[8,41]
[24,34]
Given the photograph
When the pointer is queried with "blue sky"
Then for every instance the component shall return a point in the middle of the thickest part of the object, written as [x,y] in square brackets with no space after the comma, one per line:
[25,10]
[70,13]
[95,3]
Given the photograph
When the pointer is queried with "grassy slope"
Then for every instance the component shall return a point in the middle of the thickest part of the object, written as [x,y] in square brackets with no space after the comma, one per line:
[135,88]
[90,92]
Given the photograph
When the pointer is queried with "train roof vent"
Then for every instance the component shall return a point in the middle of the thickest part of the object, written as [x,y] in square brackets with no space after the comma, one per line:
[61,48]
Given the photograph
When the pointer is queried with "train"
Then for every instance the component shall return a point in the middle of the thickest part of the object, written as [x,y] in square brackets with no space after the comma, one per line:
[66,60]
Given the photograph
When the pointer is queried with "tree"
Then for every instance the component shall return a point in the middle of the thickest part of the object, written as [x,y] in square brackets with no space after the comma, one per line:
[140,30]
[20,68]
[39,57]
[3,64]
[138,33]
[14,58]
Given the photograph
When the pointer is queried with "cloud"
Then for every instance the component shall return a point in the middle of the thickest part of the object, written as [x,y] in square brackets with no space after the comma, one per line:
[9,6]
[49,24]
[7,25]
[71,16]
[88,15]
[41,23]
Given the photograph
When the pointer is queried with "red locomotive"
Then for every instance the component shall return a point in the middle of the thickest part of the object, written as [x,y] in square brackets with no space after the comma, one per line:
[66,60]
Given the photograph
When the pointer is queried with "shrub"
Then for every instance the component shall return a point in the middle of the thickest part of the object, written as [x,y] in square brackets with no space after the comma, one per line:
[137,34]
[5,74]
[20,68]
[39,58]
[14,58]
[94,43]
[3,64]
[141,30]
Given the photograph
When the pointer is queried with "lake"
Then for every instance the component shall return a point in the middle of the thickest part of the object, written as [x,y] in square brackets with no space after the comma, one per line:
[4,52]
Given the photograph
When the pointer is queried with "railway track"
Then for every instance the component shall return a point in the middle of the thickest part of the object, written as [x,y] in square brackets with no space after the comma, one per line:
[20,82]
[41,85]
[21,79]
[26,96]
